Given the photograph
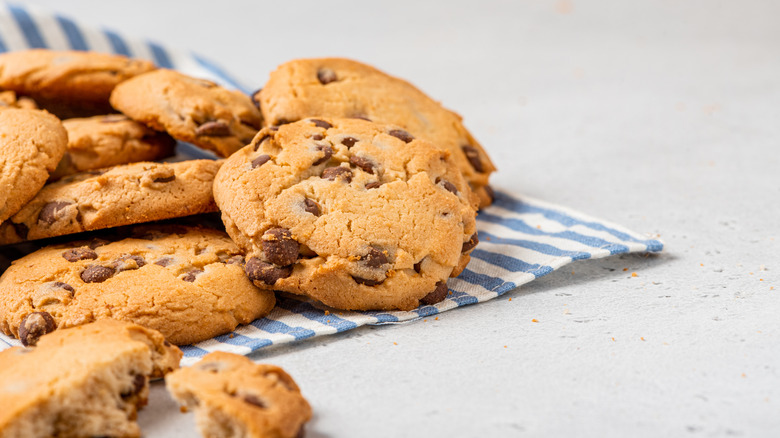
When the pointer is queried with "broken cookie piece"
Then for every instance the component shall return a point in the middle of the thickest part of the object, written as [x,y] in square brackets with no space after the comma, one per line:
[85,381]
[235,397]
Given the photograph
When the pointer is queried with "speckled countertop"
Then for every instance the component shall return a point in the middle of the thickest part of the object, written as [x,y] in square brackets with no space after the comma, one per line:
[662,116]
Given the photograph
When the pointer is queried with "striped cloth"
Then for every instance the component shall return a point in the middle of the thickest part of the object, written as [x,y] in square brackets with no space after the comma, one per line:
[521,238]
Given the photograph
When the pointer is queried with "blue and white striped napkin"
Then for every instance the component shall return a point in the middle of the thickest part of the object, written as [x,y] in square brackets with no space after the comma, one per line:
[520,238]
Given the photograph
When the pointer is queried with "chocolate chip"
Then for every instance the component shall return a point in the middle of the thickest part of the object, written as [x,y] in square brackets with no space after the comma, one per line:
[96,274]
[373,185]
[491,194]
[317,137]
[472,154]
[164,261]
[256,97]
[33,326]
[262,139]
[279,247]
[418,266]
[326,76]
[472,242]
[438,294]
[164,179]
[401,134]
[363,163]
[166,343]
[450,187]
[139,381]
[76,254]
[254,400]
[61,285]
[349,141]
[216,128]
[367,282]
[332,173]
[311,206]
[258,270]
[48,214]
[21,230]
[127,262]
[191,275]
[321,123]
[259,161]
[327,151]
[375,258]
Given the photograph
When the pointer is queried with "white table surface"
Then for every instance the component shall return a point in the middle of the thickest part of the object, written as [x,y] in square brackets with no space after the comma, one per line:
[660,115]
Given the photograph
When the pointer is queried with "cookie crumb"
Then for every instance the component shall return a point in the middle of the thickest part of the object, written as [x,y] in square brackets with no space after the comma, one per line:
[534,320]
[634,274]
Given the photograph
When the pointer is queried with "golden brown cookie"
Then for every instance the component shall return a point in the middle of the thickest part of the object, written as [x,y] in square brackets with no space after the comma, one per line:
[9,99]
[190,109]
[120,195]
[334,87]
[352,213]
[235,397]
[31,144]
[186,282]
[86,381]
[103,141]
[67,83]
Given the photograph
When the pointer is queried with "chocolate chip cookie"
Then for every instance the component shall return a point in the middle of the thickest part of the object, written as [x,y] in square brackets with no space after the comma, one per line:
[186,282]
[190,109]
[31,144]
[68,83]
[112,197]
[108,140]
[86,381]
[235,397]
[355,214]
[333,87]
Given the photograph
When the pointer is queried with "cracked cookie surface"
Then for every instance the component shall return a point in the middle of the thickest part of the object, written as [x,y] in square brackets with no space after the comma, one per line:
[121,195]
[188,283]
[31,144]
[68,82]
[85,381]
[109,140]
[190,109]
[335,87]
[235,397]
[348,212]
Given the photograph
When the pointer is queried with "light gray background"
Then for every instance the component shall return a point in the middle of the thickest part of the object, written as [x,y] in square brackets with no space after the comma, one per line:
[658,115]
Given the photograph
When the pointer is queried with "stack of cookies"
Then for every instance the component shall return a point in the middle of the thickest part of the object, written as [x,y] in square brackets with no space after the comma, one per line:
[335,182]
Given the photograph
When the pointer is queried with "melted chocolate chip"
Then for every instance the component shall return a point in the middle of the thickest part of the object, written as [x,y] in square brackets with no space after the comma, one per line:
[164,261]
[312,207]
[76,254]
[317,137]
[349,141]
[216,128]
[363,163]
[261,140]
[96,274]
[191,275]
[326,76]
[21,230]
[164,179]
[450,187]
[256,97]
[321,123]
[472,242]
[48,214]
[401,134]
[472,154]
[366,281]
[127,262]
[375,258]
[332,173]
[418,266]
[61,285]
[258,270]
[373,185]
[438,294]
[279,247]
[255,401]
[259,161]
[325,150]
[35,325]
